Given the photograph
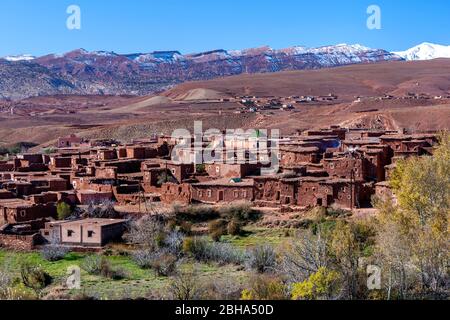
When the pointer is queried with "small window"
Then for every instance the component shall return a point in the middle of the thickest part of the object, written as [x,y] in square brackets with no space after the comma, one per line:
[236,194]
[209,193]
[200,193]
[90,233]
[70,233]
[23,213]
[46,233]
[173,171]
[244,194]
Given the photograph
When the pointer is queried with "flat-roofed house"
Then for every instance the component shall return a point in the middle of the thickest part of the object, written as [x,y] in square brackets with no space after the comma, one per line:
[93,232]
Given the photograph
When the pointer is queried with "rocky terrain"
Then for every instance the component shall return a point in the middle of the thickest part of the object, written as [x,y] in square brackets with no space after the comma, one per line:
[100,72]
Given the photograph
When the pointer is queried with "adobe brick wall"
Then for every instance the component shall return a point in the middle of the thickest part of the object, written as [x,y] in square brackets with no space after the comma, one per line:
[86,198]
[106,173]
[19,243]
[6,166]
[342,167]
[221,194]
[171,193]
[267,189]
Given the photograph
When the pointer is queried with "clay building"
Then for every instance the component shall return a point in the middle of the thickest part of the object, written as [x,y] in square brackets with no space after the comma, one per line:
[346,166]
[344,193]
[267,189]
[5,194]
[18,210]
[223,191]
[109,173]
[57,162]
[124,165]
[69,141]
[84,233]
[223,170]
[176,193]
[292,155]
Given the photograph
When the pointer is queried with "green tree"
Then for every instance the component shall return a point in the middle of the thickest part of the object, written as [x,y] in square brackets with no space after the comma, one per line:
[63,210]
[347,251]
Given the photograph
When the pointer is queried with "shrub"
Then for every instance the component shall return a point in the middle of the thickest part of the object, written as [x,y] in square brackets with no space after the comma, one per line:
[320,285]
[63,210]
[262,258]
[185,286]
[6,280]
[34,277]
[200,168]
[143,258]
[198,213]
[117,274]
[100,266]
[221,289]
[54,252]
[241,211]
[173,243]
[105,210]
[225,253]
[217,229]
[265,287]
[234,228]
[148,232]
[92,264]
[186,227]
[197,247]
[336,212]
[203,250]
[164,264]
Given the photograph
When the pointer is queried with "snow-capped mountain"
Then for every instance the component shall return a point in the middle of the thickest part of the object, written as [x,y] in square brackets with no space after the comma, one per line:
[106,72]
[425,51]
[24,57]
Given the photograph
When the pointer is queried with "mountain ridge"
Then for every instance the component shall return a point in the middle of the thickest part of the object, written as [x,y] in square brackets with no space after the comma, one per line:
[106,72]
[425,51]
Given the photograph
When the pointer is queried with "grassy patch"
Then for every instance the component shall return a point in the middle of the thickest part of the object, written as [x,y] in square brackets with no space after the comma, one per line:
[139,283]
[253,236]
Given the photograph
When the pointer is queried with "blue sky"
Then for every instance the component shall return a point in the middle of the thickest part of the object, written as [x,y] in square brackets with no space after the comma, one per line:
[39,26]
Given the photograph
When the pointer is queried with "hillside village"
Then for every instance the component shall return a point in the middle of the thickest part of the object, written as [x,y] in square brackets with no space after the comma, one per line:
[335,166]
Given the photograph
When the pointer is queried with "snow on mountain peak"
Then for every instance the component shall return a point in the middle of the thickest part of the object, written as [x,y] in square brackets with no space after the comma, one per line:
[425,51]
[24,57]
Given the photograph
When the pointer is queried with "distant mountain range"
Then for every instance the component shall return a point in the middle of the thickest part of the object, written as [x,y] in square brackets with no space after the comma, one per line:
[102,72]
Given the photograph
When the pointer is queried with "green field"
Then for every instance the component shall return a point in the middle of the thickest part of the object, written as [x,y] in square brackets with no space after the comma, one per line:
[138,282]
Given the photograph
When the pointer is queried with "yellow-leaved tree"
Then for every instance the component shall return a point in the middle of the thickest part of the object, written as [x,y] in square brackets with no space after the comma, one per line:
[320,285]
[412,240]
